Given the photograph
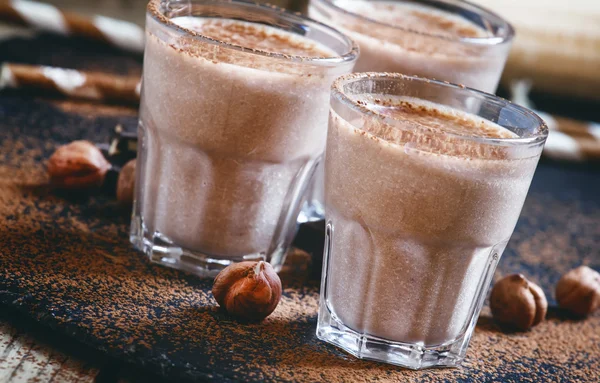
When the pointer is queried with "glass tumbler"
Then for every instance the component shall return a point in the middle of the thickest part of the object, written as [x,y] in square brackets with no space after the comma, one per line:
[233,121]
[424,183]
[448,40]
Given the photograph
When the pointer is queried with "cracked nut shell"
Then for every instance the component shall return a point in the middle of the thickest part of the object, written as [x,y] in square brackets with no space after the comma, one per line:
[518,303]
[78,165]
[249,290]
[579,291]
[126,184]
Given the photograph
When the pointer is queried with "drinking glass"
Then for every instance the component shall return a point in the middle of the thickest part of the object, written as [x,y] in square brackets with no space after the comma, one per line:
[230,134]
[418,213]
[460,57]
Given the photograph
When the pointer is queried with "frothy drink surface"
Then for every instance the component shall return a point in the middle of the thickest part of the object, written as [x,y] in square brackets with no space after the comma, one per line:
[433,117]
[253,36]
[415,17]
[227,134]
[415,39]
[417,217]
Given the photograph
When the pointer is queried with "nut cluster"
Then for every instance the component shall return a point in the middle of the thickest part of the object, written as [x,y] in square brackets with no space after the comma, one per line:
[80,165]
[521,304]
[249,290]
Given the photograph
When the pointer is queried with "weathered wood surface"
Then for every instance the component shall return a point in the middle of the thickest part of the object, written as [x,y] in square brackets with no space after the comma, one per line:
[25,359]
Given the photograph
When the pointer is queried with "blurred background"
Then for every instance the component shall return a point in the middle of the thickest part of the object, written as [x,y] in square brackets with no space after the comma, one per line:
[557,44]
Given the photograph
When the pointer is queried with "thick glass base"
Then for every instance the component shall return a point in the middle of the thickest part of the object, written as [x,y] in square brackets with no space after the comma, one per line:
[163,251]
[414,356]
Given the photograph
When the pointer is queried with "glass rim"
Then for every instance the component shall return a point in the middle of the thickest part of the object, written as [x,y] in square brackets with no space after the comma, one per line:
[156,9]
[539,136]
[462,4]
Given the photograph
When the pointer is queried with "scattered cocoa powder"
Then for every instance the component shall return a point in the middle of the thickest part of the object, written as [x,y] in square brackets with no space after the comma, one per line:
[68,263]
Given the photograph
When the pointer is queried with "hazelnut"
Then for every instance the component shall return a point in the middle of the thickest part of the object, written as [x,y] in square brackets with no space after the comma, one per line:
[126,184]
[78,165]
[250,290]
[517,302]
[579,291]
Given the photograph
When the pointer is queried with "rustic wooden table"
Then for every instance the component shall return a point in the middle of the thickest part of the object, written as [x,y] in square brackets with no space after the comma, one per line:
[31,353]
[24,358]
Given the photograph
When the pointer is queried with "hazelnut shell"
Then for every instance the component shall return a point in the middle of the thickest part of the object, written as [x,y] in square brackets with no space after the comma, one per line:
[126,184]
[248,290]
[518,303]
[579,291]
[78,165]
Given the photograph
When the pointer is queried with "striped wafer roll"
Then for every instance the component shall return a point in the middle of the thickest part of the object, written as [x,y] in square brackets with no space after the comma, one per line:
[568,139]
[46,17]
[71,83]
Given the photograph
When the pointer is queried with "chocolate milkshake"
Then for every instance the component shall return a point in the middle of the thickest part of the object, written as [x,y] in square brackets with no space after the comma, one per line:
[447,40]
[233,122]
[421,200]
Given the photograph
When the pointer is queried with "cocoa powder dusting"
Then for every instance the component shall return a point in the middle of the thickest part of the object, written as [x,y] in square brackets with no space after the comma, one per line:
[68,263]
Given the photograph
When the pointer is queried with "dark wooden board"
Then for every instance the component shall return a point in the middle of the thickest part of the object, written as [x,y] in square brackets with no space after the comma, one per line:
[65,262]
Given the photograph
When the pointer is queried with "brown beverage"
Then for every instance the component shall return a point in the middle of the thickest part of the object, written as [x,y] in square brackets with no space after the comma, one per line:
[433,40]
[422,196]
[230,135]
[413,229]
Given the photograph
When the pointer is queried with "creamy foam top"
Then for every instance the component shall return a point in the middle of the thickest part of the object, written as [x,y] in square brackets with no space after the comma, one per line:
[254,36]
[414,17]
[433,116]
[430,127]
